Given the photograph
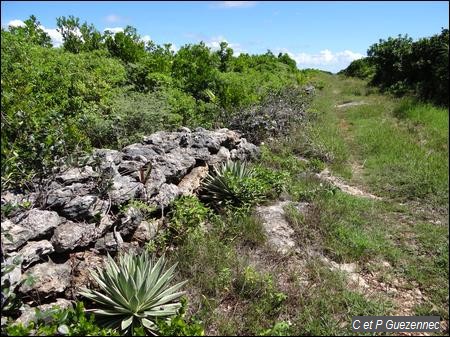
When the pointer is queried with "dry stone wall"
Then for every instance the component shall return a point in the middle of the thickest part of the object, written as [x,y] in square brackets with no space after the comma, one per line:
[74,217]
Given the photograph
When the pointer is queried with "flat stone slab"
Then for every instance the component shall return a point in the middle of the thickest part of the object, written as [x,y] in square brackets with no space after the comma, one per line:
[348,104]
[279,232]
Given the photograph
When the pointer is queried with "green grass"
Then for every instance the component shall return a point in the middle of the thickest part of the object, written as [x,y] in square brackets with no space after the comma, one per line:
[327,307]
[396,165]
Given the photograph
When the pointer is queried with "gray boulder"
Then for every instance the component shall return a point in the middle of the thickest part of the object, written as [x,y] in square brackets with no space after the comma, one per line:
[34,251]
[107,243]
[165,141]
[141,152]
[155,181]
[130,221]
[146,231]
[76,175]
[33,224]
[167,193]
[50,278]
[84,208]
[245,151]
[59,197]
[71,235]
[14,236]
[123,189]
[175,164]
[29,313]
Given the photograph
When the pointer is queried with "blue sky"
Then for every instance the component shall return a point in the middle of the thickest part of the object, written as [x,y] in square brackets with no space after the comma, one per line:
[321,34]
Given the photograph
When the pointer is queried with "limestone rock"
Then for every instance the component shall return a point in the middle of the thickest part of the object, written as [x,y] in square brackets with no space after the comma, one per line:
[14,236]
[107,243]
[71,235]
[167,193]
[123,189]
[29,313]
[280,234]
[146,231]
[34,250]
[192,181]
[131,220]
[50,278]
[76,175]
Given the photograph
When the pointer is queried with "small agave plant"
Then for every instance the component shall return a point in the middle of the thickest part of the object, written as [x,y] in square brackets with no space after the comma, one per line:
[225,184]
[134,292]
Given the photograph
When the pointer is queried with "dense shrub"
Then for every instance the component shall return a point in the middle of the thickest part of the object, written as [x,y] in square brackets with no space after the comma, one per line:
[70,322]
[45,92]
[401,65]
[106,90]
[361,68]
[274,114]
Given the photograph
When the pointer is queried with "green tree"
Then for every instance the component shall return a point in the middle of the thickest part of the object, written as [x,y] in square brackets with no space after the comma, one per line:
[70,31]
[126,45]
[285,58]
[225,54]
[361,68]
[195,67]
[32,32]
[390,58]
[92,38]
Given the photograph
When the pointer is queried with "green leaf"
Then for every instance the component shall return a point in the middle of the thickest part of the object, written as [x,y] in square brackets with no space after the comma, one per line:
[126,323]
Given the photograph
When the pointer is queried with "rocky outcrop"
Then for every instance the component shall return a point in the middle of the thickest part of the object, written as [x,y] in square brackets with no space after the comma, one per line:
[79,214]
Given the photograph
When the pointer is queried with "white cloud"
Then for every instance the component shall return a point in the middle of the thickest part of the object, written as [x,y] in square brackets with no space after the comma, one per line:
[214,44]
[114,30]
[57,39]
[16,23]
[237,4]
[113,18]
[325,59]
[173,47]
[146,38]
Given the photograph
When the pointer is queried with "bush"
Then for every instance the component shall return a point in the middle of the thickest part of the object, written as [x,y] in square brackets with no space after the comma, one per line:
[186,213]
[107,90]
[402,65]
[274,114]
[361,68]
[45,92]
[133,115]
[179,326]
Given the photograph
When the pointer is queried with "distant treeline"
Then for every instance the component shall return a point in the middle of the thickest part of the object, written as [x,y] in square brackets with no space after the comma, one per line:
[401,65]
[105,89]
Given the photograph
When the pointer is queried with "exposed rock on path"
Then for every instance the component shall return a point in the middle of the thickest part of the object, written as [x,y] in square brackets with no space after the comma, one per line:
[280,235]
[339,183]
[348,104]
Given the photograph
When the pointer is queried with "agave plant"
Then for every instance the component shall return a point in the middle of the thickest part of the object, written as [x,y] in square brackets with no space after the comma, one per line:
[228,184]
[134,291]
